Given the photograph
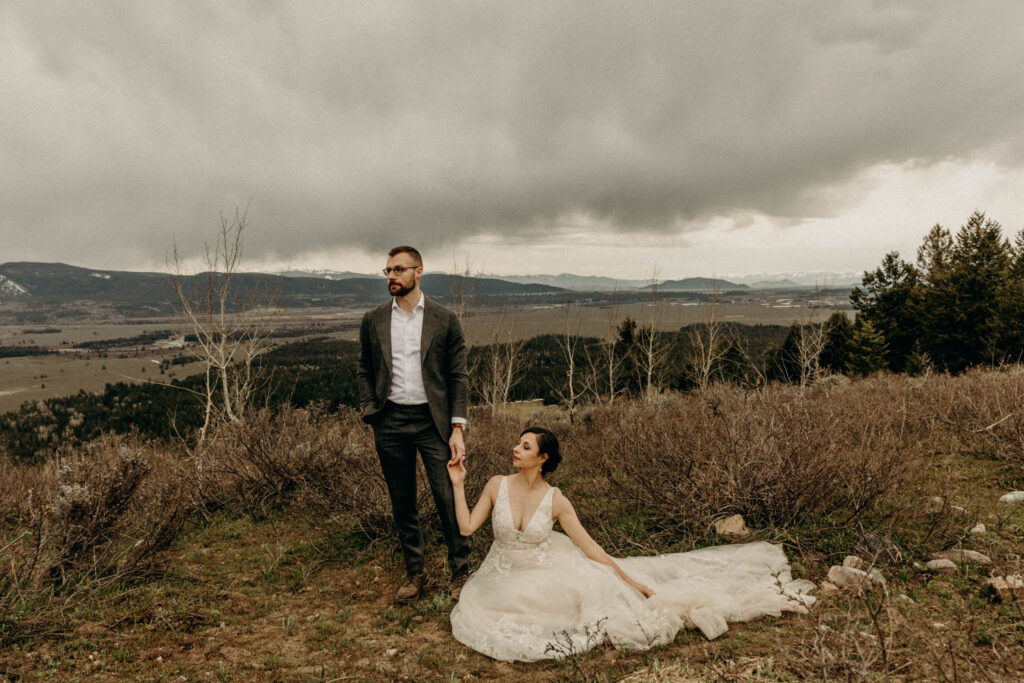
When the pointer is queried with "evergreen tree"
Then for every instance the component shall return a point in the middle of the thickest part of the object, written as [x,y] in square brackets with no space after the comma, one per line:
[1011,305]
[868,348]
[935,253]
[888,299]
[784,364]
[964,302]
[836,354]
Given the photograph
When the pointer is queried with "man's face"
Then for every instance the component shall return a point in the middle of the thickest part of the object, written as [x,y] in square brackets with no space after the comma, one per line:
[402,284]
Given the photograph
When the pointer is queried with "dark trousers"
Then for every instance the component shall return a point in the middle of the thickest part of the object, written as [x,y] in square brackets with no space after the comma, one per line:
[399,431]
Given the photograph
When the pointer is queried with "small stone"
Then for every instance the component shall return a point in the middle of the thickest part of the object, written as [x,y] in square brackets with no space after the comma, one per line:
[849,578]
[960,556]
[904,598]
[827,589]
[935,504]
[1006,588]
[1012,497]
[957,509]
[978,528]
[733,527]
[315,616]
[855,562]
[943,565]
[391,651]
[159,659]
[938,626]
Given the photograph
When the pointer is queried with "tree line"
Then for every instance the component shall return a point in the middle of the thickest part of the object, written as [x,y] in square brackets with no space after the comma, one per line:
[960,305]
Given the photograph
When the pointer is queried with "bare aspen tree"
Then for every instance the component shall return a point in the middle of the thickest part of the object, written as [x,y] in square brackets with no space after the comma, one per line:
[650,347]
[498,368]
[708,343]
[606,361]
[462,285]
[569,340]
[811,341]
[231,329]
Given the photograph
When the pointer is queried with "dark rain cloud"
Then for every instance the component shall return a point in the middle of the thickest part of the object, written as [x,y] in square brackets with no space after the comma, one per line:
[365,124]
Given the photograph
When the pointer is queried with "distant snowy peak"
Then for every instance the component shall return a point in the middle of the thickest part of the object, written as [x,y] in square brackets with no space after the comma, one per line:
[10,289]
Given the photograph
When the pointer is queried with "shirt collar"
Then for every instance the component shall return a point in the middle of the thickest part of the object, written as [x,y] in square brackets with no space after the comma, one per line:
[417,307]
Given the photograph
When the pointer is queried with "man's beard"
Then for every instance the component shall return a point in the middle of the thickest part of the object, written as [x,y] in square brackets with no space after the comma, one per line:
[401,291]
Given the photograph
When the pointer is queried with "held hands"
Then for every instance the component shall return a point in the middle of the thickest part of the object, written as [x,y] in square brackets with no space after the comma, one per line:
[457,470]
[457,444]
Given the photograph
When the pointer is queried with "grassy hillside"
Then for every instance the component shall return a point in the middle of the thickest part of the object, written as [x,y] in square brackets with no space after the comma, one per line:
[267,554]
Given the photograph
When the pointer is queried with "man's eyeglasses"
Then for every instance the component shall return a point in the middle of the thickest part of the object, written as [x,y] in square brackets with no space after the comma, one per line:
[398,270]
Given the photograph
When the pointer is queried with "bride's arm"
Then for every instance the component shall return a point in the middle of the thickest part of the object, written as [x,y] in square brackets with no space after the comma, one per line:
[563,511]
[471,521]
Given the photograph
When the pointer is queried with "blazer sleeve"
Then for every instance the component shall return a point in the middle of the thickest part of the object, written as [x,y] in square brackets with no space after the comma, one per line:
[365,375]
[458,374]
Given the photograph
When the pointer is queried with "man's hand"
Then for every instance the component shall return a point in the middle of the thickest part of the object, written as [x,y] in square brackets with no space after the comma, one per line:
[457,444]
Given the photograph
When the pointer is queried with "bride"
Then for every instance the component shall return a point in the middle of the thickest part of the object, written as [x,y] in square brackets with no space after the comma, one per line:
[540,594]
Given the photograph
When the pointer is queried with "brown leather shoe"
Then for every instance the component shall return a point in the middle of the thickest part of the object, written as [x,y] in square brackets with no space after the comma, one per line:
[412,588]
[458,582]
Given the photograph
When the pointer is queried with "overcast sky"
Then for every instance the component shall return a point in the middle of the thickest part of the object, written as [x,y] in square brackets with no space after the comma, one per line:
[694,138]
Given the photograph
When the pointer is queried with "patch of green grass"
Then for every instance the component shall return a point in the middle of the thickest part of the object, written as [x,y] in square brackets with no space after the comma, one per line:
[274,661]
[123,655]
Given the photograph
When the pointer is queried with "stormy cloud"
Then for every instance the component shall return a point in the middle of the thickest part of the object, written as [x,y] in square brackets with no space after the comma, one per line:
[359,125]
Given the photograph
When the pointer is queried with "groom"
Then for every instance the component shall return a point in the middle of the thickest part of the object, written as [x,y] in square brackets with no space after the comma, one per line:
[412,389]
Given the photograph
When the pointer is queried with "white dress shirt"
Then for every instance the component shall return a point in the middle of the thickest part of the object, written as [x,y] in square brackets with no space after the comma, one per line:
[406,369]
[406,365]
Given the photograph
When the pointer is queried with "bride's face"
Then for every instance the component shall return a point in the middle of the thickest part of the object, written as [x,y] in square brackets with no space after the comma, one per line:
[525,454]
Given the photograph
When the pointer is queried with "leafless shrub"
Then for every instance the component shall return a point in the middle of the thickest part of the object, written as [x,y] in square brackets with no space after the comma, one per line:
[98,516]
[779,456]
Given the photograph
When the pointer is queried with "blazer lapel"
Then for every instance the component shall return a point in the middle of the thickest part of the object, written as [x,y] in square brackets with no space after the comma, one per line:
[430,327]
[384,335]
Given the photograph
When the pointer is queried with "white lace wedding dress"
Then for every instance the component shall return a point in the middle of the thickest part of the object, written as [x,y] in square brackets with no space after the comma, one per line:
[537,596]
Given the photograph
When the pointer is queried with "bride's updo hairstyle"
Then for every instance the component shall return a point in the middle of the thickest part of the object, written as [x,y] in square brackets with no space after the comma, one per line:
[547,443]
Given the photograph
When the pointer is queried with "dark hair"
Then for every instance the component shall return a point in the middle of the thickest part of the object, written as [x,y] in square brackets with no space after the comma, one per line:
[547,443]
[408,250]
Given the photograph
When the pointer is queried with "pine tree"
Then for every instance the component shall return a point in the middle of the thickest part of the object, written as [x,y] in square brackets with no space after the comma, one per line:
[868,348]
[1011,305]
[964,302]
[888,299]
[836,354]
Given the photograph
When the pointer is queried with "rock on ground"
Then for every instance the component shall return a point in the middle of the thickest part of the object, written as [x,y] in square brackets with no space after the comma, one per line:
[942,565]
[852,579]
[1012,497]
[732,527]
[963,557]
[855,562]
[1007,588]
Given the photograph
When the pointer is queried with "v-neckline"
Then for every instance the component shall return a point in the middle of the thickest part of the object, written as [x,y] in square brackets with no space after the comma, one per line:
[508,502]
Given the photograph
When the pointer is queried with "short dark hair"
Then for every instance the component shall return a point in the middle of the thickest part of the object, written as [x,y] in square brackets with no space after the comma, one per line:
[407,250]
[547,443]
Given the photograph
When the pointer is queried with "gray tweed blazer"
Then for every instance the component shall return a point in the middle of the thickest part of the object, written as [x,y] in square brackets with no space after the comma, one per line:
[443,358]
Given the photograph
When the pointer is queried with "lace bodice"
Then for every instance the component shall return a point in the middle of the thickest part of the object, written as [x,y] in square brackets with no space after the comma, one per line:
[537,529]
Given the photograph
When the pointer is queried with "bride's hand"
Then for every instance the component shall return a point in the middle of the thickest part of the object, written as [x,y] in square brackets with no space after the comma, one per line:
[457,470]
[647,592]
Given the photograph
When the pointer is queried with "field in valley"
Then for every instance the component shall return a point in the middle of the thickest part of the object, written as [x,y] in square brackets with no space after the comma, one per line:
[33,378]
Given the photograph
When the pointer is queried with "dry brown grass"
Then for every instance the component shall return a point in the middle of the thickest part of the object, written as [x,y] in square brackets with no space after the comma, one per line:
[828,471]
[80,523]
